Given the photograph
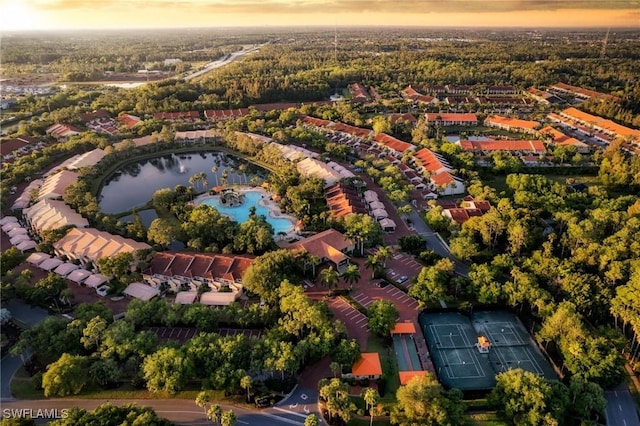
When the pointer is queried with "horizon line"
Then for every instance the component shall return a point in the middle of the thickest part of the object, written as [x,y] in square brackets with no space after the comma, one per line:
[330,26]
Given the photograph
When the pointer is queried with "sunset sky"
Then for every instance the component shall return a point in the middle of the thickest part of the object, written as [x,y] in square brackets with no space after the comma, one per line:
[98,14]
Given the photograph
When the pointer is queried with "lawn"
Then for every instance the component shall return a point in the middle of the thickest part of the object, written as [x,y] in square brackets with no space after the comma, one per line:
[499,182]
[389,368]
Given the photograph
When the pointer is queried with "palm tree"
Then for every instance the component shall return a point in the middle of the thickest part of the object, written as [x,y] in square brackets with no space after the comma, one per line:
[351,275]
[214,170]
[245,383]
[375,265]
[330,277]
[215,413]
[371,397]
[383,254]
[66,295]
[228,418]
[335,368]
[404,211]
[202,400]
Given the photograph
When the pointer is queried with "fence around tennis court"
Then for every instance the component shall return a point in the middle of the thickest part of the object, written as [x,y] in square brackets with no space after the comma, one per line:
[451,337]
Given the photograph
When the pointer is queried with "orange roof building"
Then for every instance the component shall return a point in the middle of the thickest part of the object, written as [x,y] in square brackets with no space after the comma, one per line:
[582,93]
[512,124]
[367,367]
[404,328]
[329,245]
[396,145]
[558,138]
[601,124]
[405,376]
[451,119]
[525,146]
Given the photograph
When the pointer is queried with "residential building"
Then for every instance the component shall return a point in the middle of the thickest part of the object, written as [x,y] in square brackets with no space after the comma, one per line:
[437,170]
[129,121]
[177,116]
[396,146]
[56,184]
[556,137]
[89,245]
[62,131]
[221,274]
[512,124]
[310,167]
[543,97]
[328,246]
[48,214]
[197,136]
[225,114]
[451,119]
[367,367]
[581,93]
[412,94]
[501,90]
[343,200]
[359,93]
[596,124]
[514,146]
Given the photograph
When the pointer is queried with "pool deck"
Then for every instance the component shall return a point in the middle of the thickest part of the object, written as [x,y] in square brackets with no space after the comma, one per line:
[272,206]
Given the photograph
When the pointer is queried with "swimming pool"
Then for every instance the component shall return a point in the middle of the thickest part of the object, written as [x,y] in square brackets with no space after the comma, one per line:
[241,213]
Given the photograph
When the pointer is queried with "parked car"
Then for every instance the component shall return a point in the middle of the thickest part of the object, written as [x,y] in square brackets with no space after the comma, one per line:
[102,290]
[403,279]
[382,284]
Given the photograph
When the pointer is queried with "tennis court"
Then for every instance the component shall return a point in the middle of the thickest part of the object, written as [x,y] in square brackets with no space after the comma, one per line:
[406,353]
[452,338]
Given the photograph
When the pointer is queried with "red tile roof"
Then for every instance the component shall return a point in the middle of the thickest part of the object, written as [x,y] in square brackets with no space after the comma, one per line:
[315,121]
[178,115]
[496,120]
[451,117]
[129,120]
[11,145]
[504,145]
[429,160]
[223,114]
[442,179]
[393,143]
[367,365]
[404,328]
[406,376]
[203,265]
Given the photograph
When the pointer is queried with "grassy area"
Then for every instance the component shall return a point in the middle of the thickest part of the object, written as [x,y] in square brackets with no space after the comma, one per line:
[365,422]
[389,368]
[485,419]
[499,182]
[22,386]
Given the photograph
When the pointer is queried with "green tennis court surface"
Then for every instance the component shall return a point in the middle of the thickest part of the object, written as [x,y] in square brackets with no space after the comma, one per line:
[406,353]
[451,337]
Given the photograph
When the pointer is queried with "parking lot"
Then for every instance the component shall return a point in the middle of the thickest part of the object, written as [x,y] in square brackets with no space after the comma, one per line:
[396,295]
[180,334]
[183,334]
[353,319]
[403,265]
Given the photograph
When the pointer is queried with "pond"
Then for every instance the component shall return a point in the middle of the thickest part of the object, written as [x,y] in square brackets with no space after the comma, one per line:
[133,185]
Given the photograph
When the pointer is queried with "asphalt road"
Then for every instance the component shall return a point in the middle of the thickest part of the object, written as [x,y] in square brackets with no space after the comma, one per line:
[621,408]
[181,412]
[30,316]
[435,243]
